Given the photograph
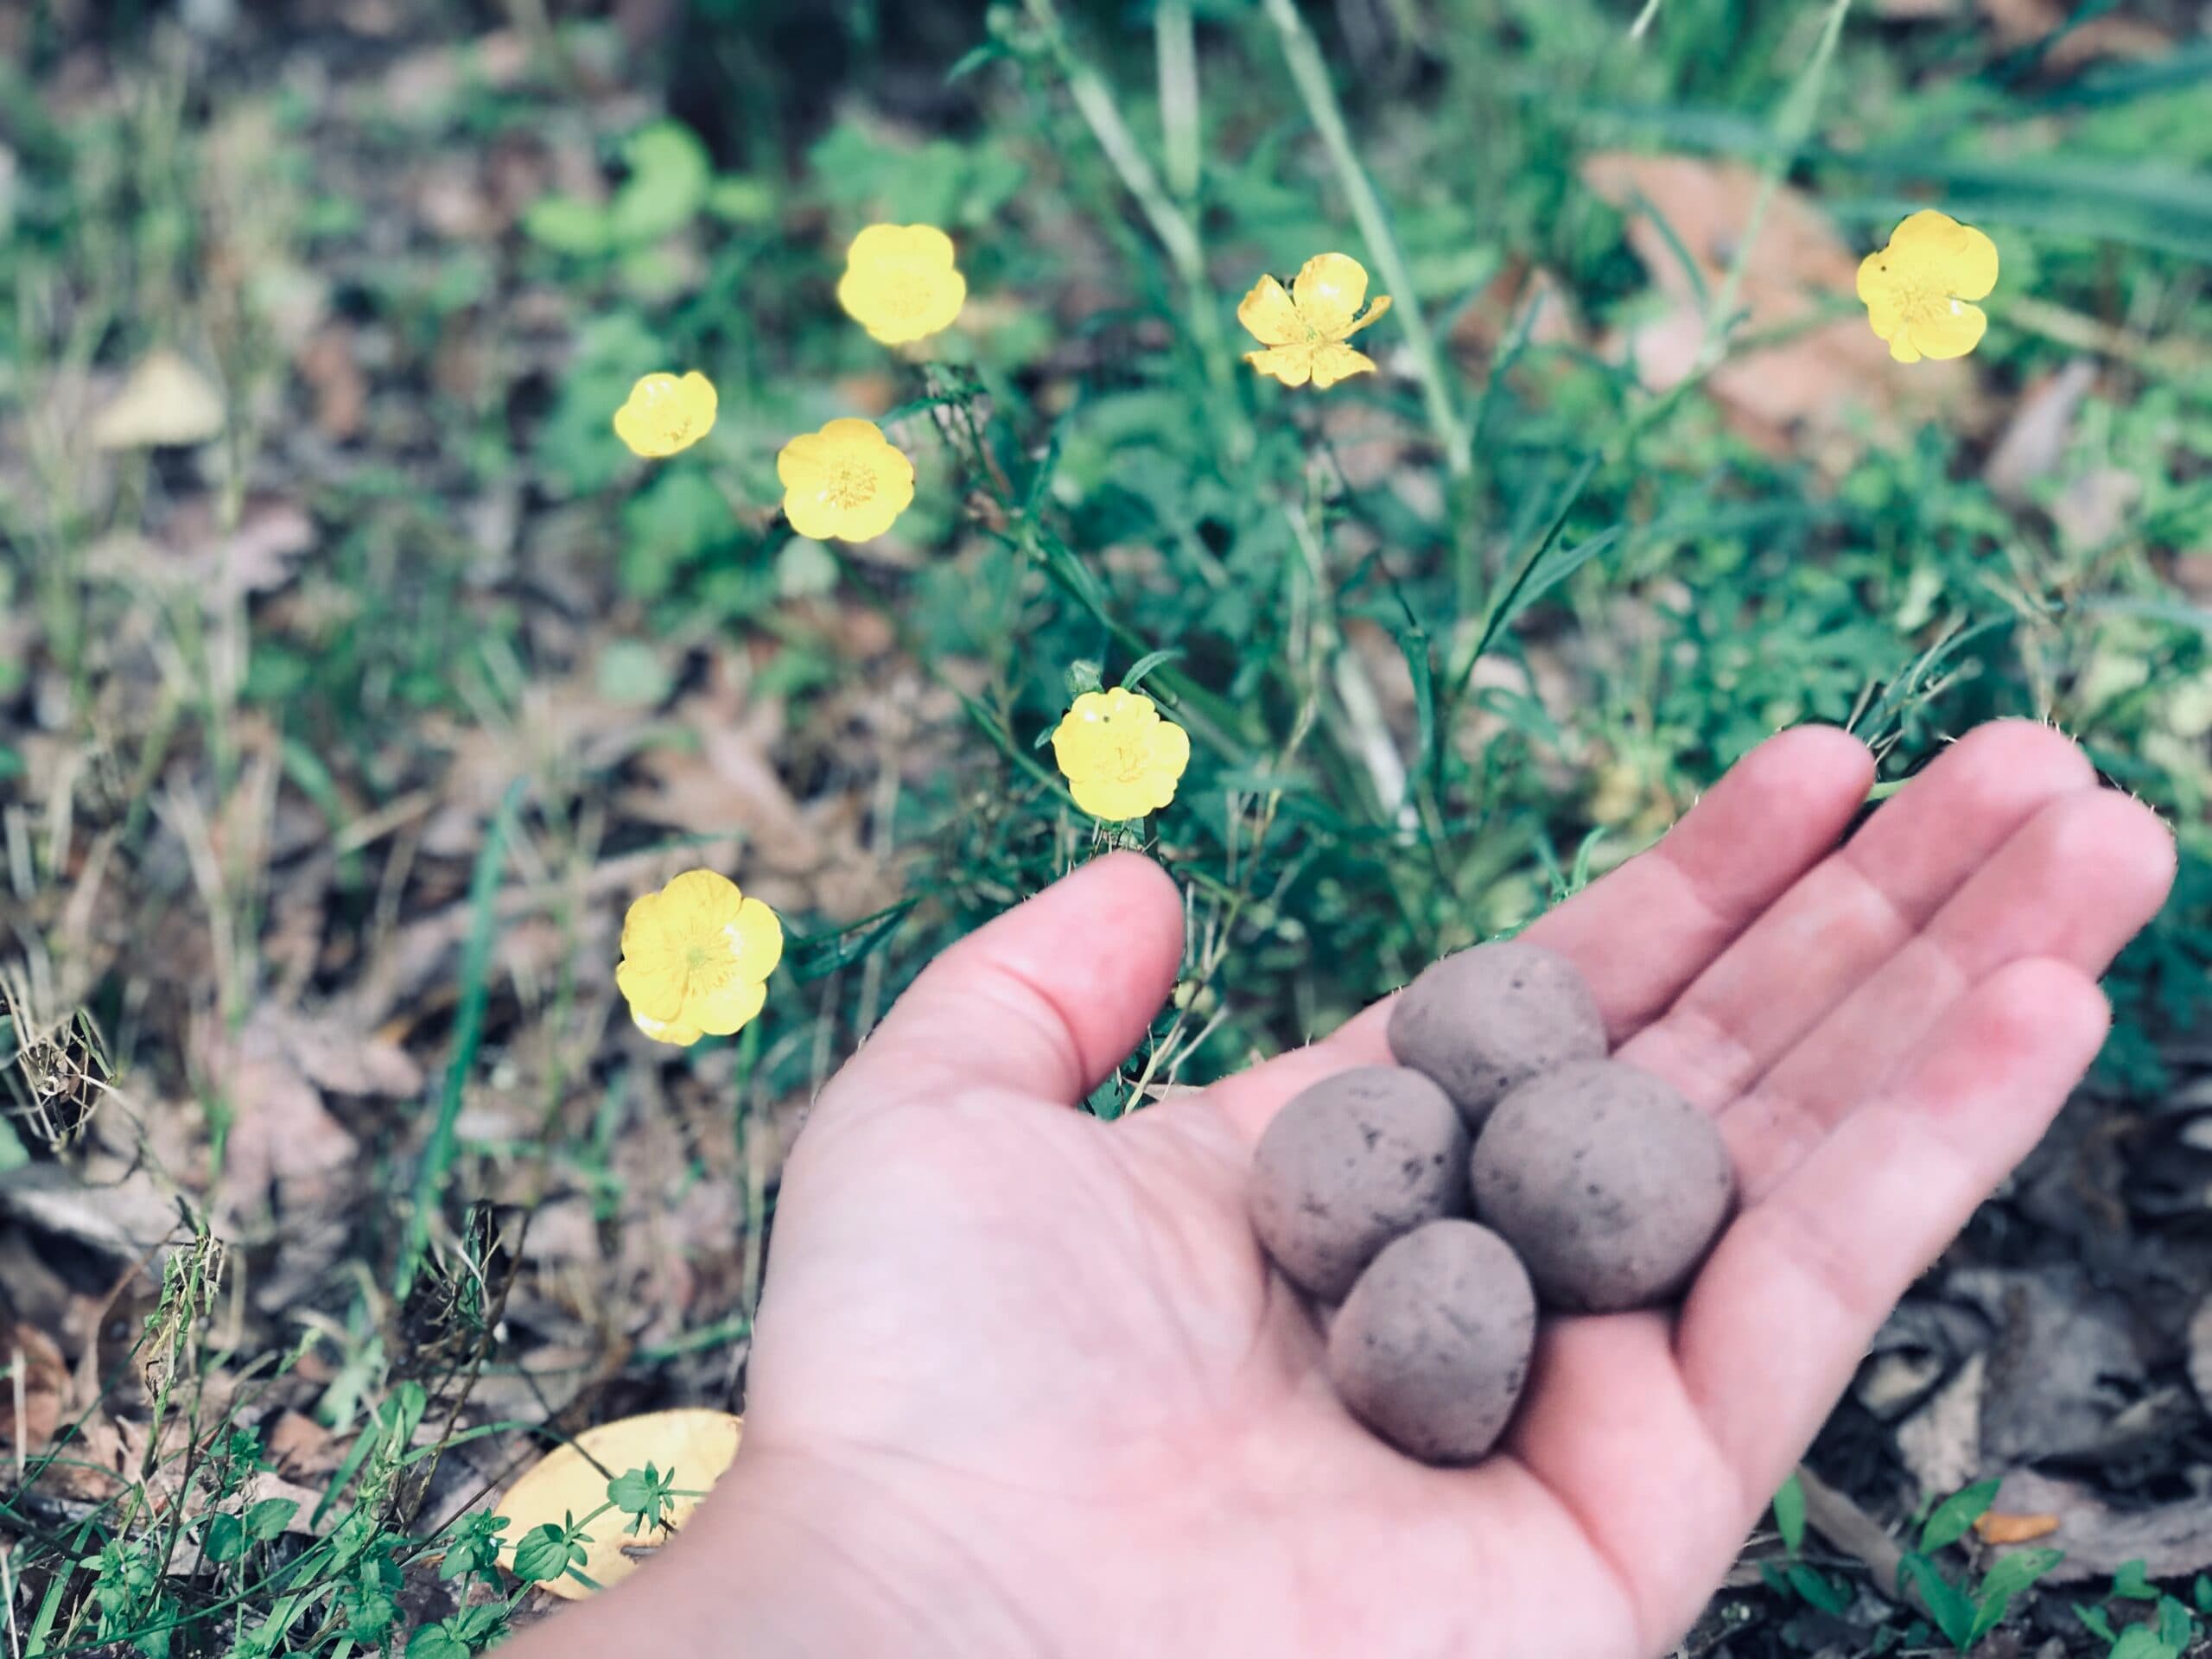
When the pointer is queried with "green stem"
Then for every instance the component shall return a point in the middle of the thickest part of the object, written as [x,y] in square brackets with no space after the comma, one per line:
[1094,100]
[1177,46]
[1792,126]
[1303,56]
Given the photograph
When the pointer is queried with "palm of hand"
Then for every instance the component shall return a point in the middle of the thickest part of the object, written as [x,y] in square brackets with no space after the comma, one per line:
[1044,1355]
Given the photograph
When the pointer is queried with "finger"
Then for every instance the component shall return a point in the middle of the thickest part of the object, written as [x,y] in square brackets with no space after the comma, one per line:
[1856,909]
[2074,884]
[1046,1000]
[1780,1315]
[1771,815]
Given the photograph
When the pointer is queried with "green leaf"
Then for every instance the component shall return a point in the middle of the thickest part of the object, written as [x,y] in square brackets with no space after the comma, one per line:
[670,175]
[567,226]
[2201,1592]
[268,1519]
[1945,1603]
[2175,1627]
[2133,1583]
[224,1539]
[545,1552]
[1790,1514]
[1830,1595]
[643,1495]
[2094,1620]
[976,58]
[2008,1580]
[436,1641]
[630,674]
[1955,1514]
[2141,1641]
[1145,664]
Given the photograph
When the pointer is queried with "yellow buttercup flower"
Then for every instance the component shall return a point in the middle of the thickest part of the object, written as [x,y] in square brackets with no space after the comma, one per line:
[1305,329]
[845,481]
[665,414]
[900,283]
[695,958]
[1919,291]
[1119,757]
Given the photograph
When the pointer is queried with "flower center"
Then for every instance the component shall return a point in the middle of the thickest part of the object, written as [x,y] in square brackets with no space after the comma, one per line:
[710,959]
[906,288]
[1132,758]
[1924,302]
[851,484]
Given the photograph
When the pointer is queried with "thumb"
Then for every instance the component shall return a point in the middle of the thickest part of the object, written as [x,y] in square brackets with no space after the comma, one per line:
[1045,1001]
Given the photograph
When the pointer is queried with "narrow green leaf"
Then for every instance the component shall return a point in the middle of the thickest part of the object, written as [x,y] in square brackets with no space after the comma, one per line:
[1831,1596]
[1145,664]
[2006,1581]
[1955,1514]
[1945,1603]
[1790,1514]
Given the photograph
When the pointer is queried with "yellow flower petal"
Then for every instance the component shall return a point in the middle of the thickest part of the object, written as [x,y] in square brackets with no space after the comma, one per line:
[652,983]
[1948,333]
[758,932]
[723,1010]
[1113,799]
[665,413]
[1874,281]
[1329,290]
[703,898]
[1269,314]
[1335,363]
[923,244]
[1292,364]
[848,429]
[666,1031]
[1955,257]
[1171,758]
[1374,311]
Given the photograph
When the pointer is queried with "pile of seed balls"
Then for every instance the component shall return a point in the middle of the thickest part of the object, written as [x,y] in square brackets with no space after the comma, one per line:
[1503,1164]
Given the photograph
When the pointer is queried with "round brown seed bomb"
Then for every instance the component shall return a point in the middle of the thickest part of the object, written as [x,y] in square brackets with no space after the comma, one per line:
[1484,1022]
[1431,1349]
[1349,1164]
[1611,1186]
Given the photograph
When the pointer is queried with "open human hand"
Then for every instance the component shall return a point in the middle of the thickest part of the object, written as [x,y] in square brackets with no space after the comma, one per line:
[1023,1383]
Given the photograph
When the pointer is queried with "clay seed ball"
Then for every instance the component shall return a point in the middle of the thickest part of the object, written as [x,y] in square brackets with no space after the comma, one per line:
[1484,1022]
[1611,1186]
[1431,1349]
[1349,1164]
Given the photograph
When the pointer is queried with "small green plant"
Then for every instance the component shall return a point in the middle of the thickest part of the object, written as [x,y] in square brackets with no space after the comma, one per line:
[1800,1577]
[2169,1632]
[1964,1612]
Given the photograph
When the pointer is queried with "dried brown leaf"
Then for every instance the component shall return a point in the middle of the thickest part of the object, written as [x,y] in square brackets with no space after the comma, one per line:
[1823,376]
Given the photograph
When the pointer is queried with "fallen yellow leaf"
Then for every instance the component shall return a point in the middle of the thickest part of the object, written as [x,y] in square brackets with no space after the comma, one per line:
[693,1448]
[165,401]
[2014,1529]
